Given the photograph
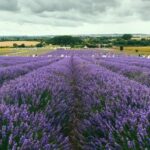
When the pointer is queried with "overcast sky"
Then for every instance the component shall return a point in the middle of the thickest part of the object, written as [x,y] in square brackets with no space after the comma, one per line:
[58,17]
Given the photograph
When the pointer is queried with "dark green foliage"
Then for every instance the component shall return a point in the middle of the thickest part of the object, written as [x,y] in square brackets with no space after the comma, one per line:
[45,98]
[127,36]
[101,106]
[39,45]
[64,40]
[136,50]
[121,48]
[15,45]
[129,134]
[4,145]
[131,42]
[91,45]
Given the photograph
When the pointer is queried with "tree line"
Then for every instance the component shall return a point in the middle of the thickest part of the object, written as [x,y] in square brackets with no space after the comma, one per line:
[93,42]
[83,41]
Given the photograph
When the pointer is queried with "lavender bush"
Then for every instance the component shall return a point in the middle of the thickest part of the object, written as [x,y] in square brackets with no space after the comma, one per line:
[75,100]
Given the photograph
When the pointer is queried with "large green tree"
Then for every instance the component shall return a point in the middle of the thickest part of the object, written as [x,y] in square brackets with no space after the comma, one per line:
[127,36]
[65,40]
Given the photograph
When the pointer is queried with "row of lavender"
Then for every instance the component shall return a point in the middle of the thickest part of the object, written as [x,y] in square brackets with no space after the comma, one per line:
[130,68]
[10,61]
[32,109]
[74,102]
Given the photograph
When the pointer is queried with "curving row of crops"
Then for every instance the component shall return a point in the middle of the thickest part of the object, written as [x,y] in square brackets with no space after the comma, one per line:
[75,100]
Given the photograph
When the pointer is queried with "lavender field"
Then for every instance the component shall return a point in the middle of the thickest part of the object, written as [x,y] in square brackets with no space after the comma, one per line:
[75,100]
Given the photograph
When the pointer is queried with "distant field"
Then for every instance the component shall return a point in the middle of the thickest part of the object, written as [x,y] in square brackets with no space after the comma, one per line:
[44,50]
[134,50]
[25,51]
[10,43]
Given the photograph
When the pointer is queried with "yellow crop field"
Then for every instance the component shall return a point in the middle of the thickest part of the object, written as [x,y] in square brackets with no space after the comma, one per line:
[134,50]
[11,43]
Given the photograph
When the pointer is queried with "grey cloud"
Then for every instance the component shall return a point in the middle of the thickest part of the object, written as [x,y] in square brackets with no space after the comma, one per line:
[73,13]
[64,12]
[70,11]
[9,5]
[143,9]
[83,6]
